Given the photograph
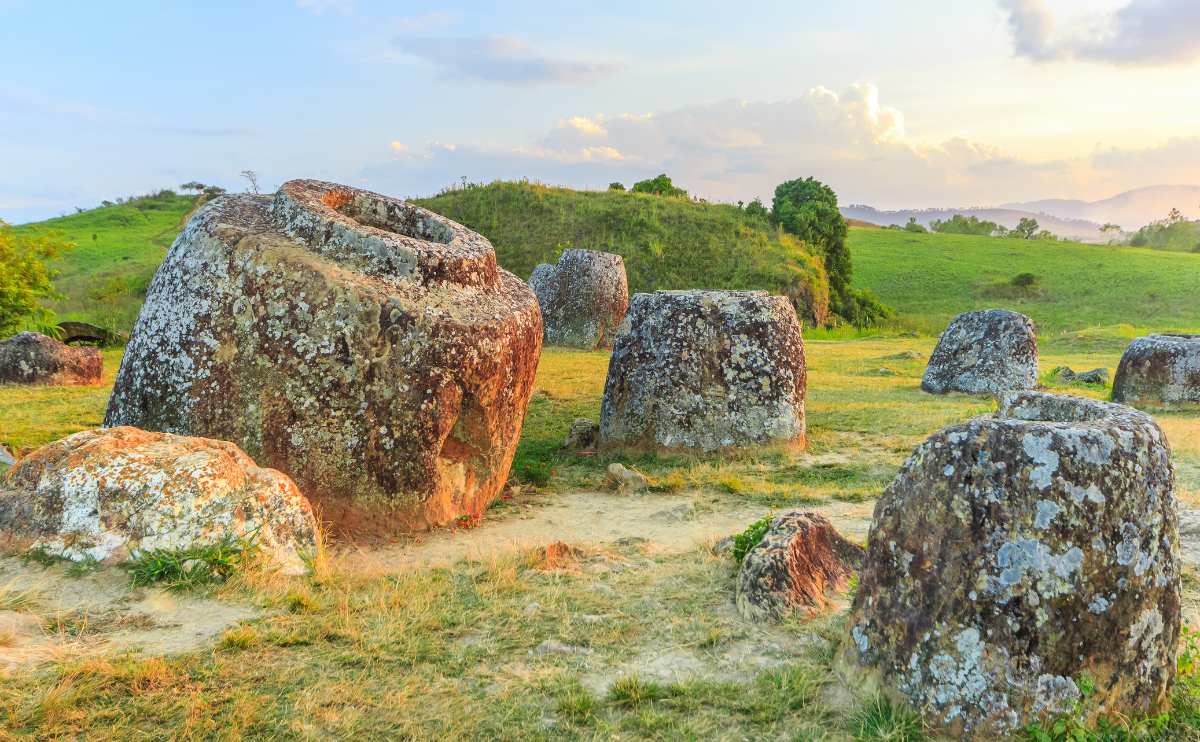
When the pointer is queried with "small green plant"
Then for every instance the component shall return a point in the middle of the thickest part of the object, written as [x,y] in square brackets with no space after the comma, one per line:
[537,473]
[239,638]
[181,569]
[749,538]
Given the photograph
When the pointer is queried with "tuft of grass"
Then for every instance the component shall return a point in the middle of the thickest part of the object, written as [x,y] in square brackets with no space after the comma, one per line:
[240,638]
[633,692]
[183,569]
[882,721]
[13,598]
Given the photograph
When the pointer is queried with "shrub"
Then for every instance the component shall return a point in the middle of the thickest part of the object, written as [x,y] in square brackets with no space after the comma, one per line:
[186,568]
[749,538]
[26,280]
[914,226]
[1025,280]
[659,186]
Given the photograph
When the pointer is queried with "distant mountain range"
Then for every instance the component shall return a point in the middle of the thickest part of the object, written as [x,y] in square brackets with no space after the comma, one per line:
[1131,209]
[1064,217]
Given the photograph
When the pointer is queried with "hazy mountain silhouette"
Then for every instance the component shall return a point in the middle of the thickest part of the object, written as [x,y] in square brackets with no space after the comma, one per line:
[1074,228]
[1131,209]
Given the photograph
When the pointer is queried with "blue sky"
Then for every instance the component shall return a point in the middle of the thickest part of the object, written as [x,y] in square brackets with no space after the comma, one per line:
[924,103]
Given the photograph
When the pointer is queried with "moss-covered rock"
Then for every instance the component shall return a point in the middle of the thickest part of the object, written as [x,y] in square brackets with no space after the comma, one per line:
[985,352]
[1158,371]
[583,297]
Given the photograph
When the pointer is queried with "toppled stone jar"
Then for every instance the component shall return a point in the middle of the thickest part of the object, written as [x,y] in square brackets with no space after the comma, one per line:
[370,349]
[705,370]
[33,358]
[583,298]
[109,495]
[985,352]
[1019,560]
[1159,370]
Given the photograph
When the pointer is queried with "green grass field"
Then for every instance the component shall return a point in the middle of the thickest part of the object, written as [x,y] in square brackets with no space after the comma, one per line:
[117,250]
[929,278]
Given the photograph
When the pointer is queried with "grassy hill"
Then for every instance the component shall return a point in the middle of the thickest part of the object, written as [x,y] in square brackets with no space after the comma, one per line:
[667,243]
[118,248]
[928,278]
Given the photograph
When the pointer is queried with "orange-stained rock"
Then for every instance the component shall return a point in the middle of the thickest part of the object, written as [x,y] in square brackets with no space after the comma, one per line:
[110,494]
[370,349]
[33,358]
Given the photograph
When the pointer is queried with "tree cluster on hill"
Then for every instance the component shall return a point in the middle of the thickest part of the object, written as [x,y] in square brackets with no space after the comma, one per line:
[660,185]
[959,224]
[1173,233]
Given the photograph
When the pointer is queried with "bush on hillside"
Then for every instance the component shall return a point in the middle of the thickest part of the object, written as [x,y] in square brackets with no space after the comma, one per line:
[26,280]
[915,226]
[616,186]
[666,243]
[659,186]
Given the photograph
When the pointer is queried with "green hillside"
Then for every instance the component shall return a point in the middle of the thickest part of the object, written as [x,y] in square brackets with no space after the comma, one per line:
[667,243]
[928,278]
[118,248]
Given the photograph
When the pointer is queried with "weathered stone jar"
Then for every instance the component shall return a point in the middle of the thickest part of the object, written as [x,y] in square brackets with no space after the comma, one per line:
[370,349]
[1159,371]
[583,298]
[33,358]
[705,370]
[985,352]
[1013,557]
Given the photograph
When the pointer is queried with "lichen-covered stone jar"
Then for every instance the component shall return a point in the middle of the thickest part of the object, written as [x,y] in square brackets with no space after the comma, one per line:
[370,349]
[1025,566]
[984,352]
[705,370]
[1159,371]
[584,297]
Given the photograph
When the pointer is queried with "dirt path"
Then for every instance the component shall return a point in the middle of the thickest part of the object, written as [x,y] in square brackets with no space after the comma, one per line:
[674,523]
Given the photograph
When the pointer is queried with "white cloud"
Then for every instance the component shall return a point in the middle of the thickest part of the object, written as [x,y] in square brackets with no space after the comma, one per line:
[1145,32]
[500,59]
[736,150]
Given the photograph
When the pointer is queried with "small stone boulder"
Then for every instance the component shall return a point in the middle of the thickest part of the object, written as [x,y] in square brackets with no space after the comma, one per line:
[109,494]
[1095,377]
[706,370]
[6,458]
[583,298]
[368,348]
[1014,556]
[799,561]
[985,352]
[583,435]
[33,358]
[626,479]
[1159,371]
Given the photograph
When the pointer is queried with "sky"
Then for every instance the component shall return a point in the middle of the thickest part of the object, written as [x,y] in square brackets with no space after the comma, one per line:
[899,105]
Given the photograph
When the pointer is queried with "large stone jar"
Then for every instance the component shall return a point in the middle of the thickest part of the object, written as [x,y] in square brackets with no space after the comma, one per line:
[706,370]
[370,349]
[1025,566]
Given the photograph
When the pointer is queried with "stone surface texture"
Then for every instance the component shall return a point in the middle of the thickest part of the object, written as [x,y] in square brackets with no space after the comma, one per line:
[370,349]
[801,559]
[1159,370]
[1015,556]
[984,352]
[33,358]
[107,495]
[583,298]
[705,370]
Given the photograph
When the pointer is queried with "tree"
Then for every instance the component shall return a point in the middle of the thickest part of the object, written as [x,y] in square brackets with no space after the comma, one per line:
[756,208]
[615,186]
[26,280]
[808,209]
[193,185]
[1026,229]
[914,226]
[659,186]
[252,176]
